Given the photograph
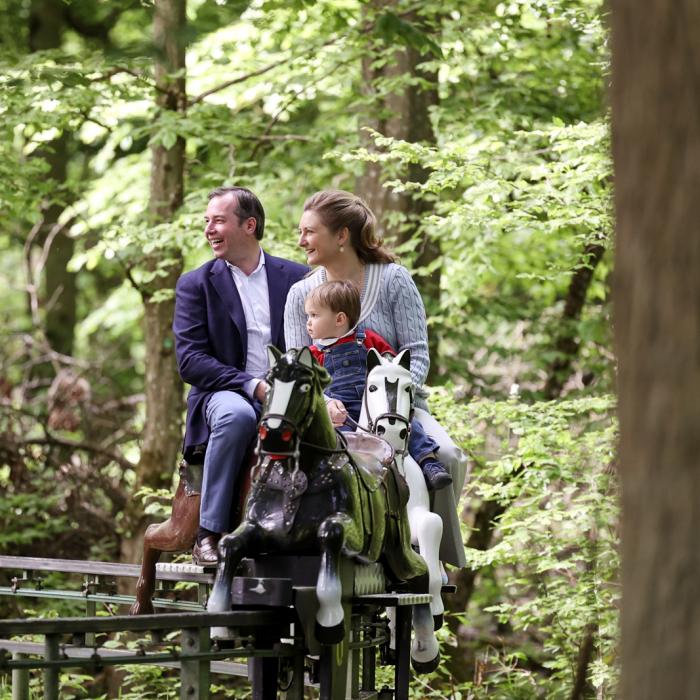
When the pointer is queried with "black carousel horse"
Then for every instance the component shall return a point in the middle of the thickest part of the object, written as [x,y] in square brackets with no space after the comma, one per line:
[309,495]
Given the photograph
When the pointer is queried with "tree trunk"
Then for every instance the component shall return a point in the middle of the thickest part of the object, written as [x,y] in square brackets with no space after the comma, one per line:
[403,115]
[567,342]
[656,147]
[163,387]
[46,24]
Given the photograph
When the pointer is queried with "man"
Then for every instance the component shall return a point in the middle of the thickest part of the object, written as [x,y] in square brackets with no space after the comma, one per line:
[226,313]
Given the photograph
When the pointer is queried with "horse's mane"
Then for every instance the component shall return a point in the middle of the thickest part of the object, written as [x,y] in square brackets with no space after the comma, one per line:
[289,361]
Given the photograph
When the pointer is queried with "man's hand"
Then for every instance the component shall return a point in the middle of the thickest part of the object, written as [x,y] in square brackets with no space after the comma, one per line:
[337,412]
[261,390]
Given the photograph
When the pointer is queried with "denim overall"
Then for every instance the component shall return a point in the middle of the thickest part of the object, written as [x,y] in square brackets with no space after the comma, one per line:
[347,364]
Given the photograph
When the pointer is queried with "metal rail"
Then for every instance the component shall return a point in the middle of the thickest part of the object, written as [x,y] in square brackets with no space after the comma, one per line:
[22,649]
[99,581]
[194,657]
[264,635]
[164,572]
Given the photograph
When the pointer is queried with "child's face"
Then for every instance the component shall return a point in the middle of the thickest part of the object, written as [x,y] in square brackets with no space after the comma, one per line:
[321,322]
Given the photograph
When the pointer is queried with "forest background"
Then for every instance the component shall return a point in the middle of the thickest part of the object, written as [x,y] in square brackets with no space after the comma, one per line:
[478,132]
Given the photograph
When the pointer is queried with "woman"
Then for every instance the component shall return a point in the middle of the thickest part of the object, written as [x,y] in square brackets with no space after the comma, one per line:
[337,232]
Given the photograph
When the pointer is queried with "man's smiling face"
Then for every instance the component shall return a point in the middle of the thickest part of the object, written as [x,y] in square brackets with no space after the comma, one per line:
[228,235]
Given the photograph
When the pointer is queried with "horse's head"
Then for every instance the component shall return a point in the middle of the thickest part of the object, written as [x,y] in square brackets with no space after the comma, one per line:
[296,383]
[388,401]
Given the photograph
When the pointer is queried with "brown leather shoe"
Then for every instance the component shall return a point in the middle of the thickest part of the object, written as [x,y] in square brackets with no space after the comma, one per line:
[205,553]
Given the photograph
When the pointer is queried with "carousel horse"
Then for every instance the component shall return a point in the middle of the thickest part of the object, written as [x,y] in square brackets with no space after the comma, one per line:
[309,494]
[387,408]
[178,532]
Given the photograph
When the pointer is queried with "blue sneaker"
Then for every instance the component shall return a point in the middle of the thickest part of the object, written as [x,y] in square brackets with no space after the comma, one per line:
[436,476]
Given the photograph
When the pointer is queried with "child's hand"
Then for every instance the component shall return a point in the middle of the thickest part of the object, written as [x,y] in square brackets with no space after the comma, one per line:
[337,412]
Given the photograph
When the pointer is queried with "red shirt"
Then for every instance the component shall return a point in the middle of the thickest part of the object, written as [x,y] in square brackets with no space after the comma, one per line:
[372,340]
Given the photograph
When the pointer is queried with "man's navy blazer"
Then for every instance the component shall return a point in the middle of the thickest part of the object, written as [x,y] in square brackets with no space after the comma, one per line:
[211,335]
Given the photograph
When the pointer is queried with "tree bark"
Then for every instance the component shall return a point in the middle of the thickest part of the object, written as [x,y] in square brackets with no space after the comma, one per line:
[163,387]
[567,343]
[403,115]
[59,293]
[656,148]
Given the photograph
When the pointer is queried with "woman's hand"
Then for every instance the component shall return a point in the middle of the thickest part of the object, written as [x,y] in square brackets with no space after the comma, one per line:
[337,412]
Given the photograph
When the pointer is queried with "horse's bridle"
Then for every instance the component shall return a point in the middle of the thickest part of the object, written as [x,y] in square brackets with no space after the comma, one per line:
[373,422]
[297,428]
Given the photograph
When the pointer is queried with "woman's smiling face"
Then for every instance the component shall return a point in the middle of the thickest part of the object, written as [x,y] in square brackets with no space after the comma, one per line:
[321,246]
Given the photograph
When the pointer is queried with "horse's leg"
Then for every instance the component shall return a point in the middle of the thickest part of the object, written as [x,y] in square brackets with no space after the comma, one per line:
[427,529]
[426,532]
[425,650]
[232,548]
[330,624]
[147,578]
[176,534]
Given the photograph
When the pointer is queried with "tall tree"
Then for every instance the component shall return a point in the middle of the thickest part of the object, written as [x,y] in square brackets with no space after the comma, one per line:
[402,112]
[163,388]
[46,26]
[656,148]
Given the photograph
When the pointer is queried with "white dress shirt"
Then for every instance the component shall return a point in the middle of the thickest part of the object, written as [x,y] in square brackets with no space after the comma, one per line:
[255,298]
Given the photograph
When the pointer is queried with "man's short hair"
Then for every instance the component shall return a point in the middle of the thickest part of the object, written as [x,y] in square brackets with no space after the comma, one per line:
[247,206]
[338,295]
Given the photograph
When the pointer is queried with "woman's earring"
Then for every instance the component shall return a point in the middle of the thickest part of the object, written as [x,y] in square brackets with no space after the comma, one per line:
[342,248]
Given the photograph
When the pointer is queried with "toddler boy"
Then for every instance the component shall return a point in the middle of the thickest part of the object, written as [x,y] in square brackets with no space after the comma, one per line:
[332,311]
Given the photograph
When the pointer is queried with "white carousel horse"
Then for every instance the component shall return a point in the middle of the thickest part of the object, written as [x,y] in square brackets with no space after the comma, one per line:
[387,407]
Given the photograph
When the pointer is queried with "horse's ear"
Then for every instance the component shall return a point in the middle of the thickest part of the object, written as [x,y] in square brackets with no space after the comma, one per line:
[305,357]
[273,354]
[404,359]
[374,359]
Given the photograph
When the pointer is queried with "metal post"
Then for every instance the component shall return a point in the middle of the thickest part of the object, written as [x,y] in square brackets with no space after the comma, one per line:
[354,661]
[369,657]
[194,673]
[20,680]
[90,606]
[51,675]
[202,593]
[333,676]
[403,651]
[263,673]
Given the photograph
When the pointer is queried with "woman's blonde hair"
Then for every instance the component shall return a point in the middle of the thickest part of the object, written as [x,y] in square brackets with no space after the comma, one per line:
[339,209]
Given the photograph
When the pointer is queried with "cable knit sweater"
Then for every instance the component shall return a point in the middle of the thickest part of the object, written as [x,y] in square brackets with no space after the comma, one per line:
[391,307]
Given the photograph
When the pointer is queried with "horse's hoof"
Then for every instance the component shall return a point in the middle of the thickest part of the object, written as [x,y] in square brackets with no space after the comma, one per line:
[141,609]
[437,621]
[421,667]
[330,635]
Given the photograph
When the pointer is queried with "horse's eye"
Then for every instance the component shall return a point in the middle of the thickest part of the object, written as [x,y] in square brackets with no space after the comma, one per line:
[304,388]
[372,387]
[407,389]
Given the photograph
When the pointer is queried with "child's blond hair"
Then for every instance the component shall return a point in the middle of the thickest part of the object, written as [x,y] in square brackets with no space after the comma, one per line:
[338,296]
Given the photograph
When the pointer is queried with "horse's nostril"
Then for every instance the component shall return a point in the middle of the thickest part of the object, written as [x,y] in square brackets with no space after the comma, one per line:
[381,430]
[286,435]
[402,434]
[262,432]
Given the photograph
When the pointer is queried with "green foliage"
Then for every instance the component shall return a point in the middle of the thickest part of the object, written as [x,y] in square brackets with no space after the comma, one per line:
[554,559]
[519,183]
[37,513]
